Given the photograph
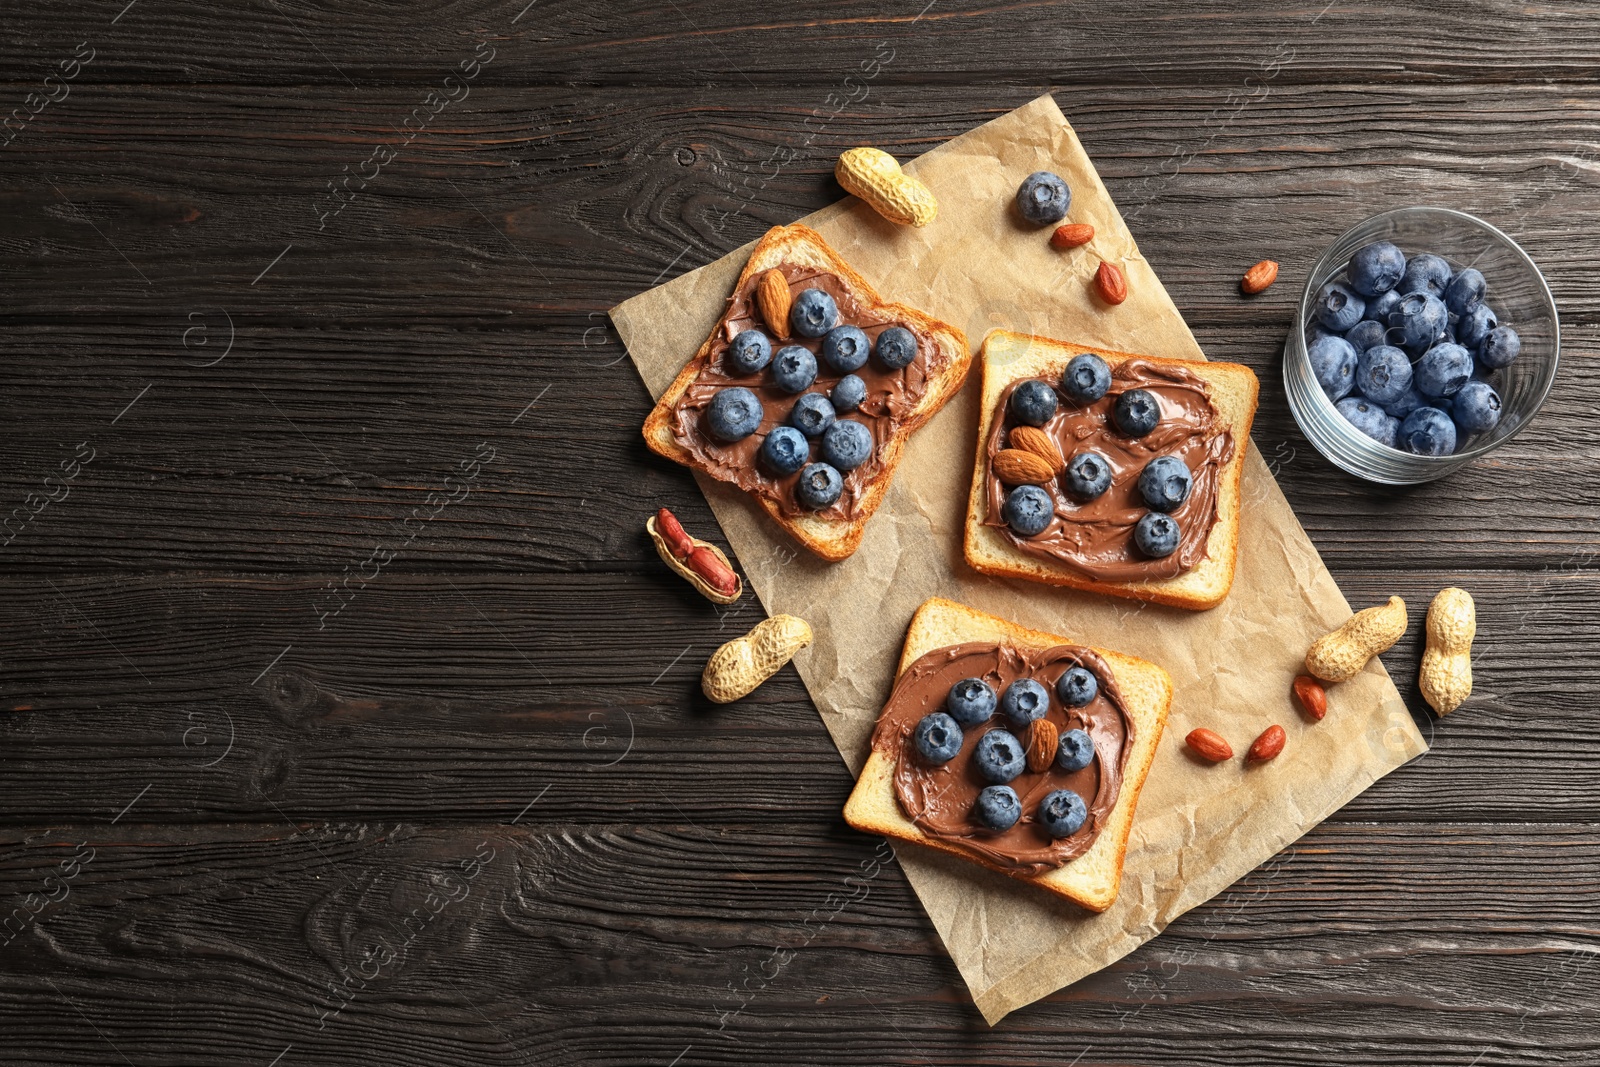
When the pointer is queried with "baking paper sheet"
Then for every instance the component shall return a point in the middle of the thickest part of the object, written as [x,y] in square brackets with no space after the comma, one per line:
[1199,828]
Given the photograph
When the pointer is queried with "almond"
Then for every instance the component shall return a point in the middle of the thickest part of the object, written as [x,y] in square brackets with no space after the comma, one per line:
[1110,283]
[772,297]
[1032,439]
[1312,696]
[1042,740]
[1013,466]
[1072,235]
[1268,745]
[1259,276]
[1208,745]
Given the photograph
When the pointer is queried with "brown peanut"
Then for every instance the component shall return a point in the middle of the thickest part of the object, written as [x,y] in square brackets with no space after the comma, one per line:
[1209,745]
[1446,677]
[1344,652]
[1312,696]
[738,667]
[1268,745]
[875,176]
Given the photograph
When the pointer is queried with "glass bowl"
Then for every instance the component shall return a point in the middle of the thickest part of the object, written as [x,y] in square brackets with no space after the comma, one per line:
[1520,298]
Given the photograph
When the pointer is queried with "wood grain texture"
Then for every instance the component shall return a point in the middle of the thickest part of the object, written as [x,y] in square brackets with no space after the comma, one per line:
[362,597]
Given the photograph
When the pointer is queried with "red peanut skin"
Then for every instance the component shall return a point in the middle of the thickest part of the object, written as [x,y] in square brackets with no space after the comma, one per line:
[702,561]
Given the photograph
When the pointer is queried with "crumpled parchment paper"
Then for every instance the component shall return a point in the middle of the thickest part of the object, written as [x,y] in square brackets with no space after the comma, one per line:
[1199,827]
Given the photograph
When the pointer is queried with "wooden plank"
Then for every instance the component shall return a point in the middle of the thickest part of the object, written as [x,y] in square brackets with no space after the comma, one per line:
[484,215]
[630,944]
[304,449]
[460,697]
[751,45]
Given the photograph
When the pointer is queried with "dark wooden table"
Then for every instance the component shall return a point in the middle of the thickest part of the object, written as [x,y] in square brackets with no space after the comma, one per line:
[351,717]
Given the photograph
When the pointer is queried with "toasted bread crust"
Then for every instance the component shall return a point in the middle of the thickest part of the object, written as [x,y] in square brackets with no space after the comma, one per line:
[1235,392]
[1092,879]
[832,539]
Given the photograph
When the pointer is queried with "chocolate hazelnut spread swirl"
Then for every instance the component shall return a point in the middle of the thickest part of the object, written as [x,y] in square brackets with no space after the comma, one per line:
[892,395]
[939,798]
[1095,538]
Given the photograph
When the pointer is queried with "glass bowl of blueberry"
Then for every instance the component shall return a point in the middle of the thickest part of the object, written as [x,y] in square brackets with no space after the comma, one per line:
[1426,338]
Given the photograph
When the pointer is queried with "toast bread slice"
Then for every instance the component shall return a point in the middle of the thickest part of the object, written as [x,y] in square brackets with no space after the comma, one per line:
[1007,357]
[947,364]
[1091,879]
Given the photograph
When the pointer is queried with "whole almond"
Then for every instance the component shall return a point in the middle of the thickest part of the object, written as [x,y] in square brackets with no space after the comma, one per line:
[1110,283]
[1042,740]
[772,297]
[1258,277]
[1032,439]
[1312,696]
[1013,466]
[1072,235]
[1268,745]
[1208,745]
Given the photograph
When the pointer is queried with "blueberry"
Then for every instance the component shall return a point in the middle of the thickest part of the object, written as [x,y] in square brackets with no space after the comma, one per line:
[1383,374]
[1339,307]
[1156,535]
[749,352]
[1376,268]
[1165,483]
[1024,701]
[813,313]
[1406,404]
[811,414]
[1499,348]
[1316,332]
[1086,378]
[1088,475]
[937,737]
[1428,432]
[1421,319]
[785,450]
[1368,333]
[1000,756]
[819,485]
[1464,294]
[997,807]
[1077,687]
[1476,407]
[1443,370]
[971,701]
[1333,361]
[846,444]
[896,347]
[1426,273]
[1062,813]
[1074,751]
[1136,412]
[846,348]
[1043,198]
[1475,326]
[734,414]
[1370,419]
[1378,307]
[1033,402]
[848,393]
[794,369]
[1027,510]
